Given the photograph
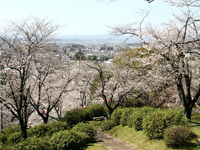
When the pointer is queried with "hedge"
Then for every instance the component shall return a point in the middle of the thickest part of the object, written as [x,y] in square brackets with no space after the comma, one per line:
[156,123]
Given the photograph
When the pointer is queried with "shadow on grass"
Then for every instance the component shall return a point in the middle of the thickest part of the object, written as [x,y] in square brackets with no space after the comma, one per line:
[194,124]
[188,146]
[88,144]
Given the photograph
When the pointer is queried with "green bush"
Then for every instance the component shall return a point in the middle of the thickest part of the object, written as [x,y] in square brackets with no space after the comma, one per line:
[86,128]
[96,110]
[42,130]
[14,138]
[125,116]
[38,130]
[177,136]
[116,116]
[3,138]
[11,129]
[107,125]
[136,119]
[34,143]
[6,147]
[73,117]
[69,140]
[9,132]
[155,123]
[56,126]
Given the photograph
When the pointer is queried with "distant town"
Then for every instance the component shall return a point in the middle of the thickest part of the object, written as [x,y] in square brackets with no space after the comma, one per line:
[93,47]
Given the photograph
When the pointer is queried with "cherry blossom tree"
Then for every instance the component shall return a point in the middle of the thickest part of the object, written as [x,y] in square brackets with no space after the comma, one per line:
[112,85]
[20,42]
[177,42]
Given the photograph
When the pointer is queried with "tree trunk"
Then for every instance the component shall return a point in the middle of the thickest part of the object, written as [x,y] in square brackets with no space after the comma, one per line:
[110,111]
[23,130]
[187,112]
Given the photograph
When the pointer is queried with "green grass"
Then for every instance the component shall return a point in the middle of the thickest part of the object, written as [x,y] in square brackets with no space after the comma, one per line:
[140,139]
[137,138]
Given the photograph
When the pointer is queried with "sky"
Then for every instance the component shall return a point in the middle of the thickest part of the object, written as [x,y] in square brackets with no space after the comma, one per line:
[85,17]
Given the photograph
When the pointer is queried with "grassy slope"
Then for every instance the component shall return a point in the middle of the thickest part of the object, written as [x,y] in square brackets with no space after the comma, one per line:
[139,138]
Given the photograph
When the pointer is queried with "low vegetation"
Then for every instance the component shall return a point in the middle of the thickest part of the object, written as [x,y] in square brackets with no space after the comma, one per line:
[161,129]
[146,127]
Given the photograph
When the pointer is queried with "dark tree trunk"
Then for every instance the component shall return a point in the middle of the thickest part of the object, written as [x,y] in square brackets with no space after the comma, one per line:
[187,112]
[23,129]
[110,111]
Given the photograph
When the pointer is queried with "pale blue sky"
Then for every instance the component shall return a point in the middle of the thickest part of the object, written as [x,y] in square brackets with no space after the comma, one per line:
[84,17]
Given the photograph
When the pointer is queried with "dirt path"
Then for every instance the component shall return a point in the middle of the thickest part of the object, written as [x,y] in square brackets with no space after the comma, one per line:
[112,143]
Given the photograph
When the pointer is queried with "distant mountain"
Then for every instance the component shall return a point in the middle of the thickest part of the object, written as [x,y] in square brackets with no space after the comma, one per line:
[95,38]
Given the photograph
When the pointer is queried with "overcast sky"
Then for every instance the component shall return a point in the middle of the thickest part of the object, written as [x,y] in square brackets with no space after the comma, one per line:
[84,17]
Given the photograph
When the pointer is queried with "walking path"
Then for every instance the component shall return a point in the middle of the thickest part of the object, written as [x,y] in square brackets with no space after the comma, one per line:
[112,143]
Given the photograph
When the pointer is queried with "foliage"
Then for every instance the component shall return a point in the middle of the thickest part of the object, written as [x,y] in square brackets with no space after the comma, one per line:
[125,116]
[73,117]
[11,129]
[35,143]
[116,116]
[86,128]
[14,138]
[156,123]
[56,126]
[43,129]
[79,55]
[132,103]
[70,140]
[97,81]
[177,136]
[3,138]
[8,132]
[133,59]
[38,130]
[92,57]
[96,110]
[136,119]
[107,125]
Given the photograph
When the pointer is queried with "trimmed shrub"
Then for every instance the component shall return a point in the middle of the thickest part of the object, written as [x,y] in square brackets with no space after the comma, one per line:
[42,130]
[86,128]
[8,133]
[96,110]
[6,147]
[125,115]
[107,125]
[116,116]
[3,138]
[177,136]
[39,130]
[11,129]
[14,138]
[156,122]
[56,126]
[34,143]
[75,116]
[136,119]
[69,140]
